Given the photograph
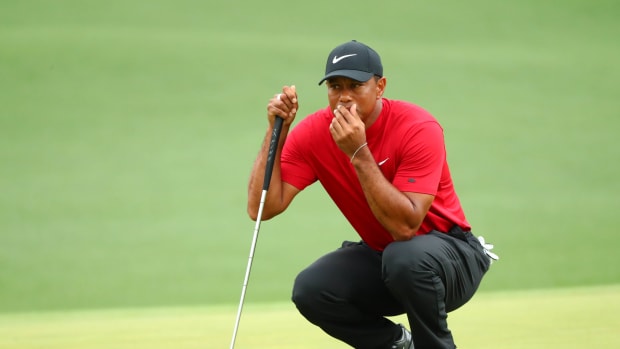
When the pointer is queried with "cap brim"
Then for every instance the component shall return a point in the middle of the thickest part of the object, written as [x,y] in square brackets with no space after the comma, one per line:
[351,74]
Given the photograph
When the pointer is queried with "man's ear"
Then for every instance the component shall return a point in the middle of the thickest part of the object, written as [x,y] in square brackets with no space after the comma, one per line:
[381,83]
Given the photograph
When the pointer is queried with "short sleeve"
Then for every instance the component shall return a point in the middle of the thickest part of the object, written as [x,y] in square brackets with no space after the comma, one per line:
[422,161]
[295,168]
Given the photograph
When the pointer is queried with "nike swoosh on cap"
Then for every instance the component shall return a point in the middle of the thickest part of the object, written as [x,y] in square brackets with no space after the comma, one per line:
[338,59]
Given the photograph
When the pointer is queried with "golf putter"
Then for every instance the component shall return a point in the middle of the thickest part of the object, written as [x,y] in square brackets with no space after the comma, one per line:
[273,148]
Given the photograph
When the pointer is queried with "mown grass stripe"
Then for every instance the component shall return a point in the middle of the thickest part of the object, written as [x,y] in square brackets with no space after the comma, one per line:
[563,318]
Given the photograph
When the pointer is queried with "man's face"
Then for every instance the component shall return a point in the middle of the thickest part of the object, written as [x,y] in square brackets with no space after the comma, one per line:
[345,91]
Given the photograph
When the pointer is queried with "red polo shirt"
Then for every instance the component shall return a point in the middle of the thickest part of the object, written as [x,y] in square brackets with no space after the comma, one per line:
[408,145]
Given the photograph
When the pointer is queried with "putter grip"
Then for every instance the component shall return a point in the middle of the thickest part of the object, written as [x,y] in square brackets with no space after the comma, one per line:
[273,148]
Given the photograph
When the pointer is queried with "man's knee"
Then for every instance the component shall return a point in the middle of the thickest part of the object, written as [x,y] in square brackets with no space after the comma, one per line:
[305,292]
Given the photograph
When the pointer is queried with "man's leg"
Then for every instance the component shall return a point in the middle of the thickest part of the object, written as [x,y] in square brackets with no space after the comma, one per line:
[431,275]
[343,293]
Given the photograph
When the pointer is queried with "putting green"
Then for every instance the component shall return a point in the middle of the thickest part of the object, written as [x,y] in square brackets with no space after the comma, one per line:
[564,318]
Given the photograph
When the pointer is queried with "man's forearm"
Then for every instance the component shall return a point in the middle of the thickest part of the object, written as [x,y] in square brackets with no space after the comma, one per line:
[255,186]
[392,208]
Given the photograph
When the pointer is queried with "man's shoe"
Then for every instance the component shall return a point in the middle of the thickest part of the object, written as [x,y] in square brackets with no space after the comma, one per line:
[405,341]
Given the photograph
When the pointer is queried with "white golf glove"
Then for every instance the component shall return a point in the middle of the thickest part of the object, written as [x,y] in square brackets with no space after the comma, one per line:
[487,249]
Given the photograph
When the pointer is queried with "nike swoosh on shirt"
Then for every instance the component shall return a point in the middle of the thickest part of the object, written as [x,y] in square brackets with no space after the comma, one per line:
[383,162]
[338,59]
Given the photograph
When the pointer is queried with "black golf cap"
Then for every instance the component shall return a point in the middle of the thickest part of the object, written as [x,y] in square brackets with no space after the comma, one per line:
[353,60]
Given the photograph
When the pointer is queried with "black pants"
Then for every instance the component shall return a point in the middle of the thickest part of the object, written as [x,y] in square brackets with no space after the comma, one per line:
[348,292]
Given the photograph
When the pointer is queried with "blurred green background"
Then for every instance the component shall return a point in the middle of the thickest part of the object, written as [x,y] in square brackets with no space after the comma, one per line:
[128,130]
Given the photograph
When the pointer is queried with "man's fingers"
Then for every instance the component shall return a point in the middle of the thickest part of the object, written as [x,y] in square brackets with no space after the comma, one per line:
[284,104]
[287,99]
[348,114]
[344,114]
[347,128]
[291,93]
[335,128]
[288,95]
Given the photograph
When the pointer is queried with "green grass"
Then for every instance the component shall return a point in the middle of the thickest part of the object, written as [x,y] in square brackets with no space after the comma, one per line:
[564,318]
[128,129]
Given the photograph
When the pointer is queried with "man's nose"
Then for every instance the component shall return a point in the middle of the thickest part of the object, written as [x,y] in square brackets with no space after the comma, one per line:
[345,95]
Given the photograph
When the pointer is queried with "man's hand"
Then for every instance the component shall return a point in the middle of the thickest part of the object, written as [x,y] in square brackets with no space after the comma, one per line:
[283,105]
[348,129]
